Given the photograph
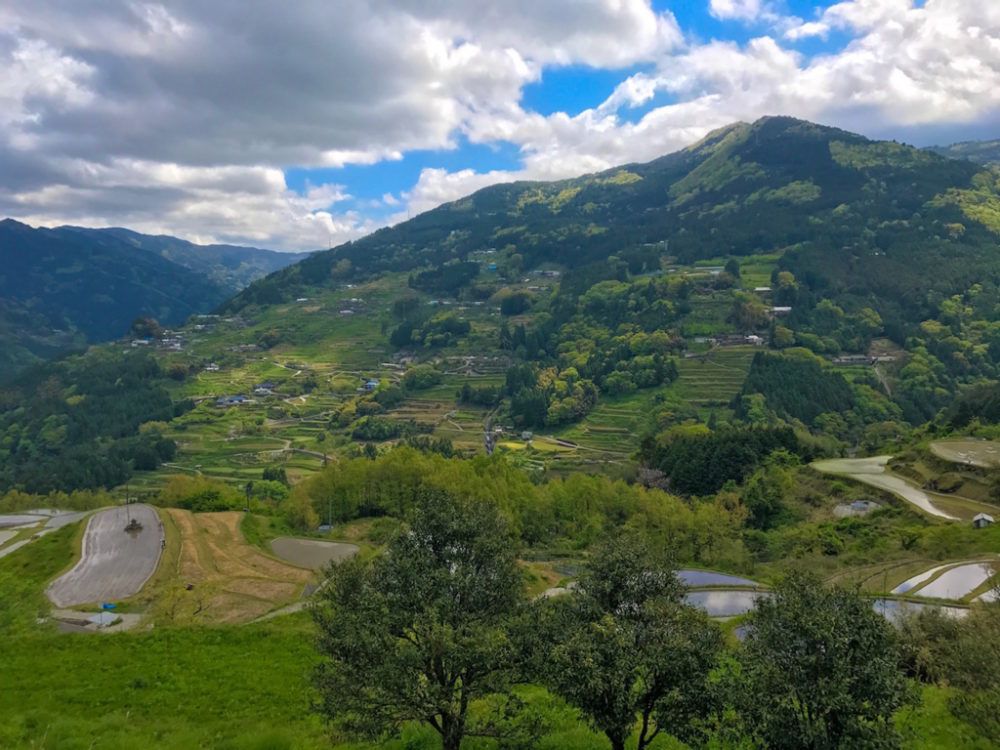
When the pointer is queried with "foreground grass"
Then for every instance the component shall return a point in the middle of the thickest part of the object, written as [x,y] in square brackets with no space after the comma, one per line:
[234,688]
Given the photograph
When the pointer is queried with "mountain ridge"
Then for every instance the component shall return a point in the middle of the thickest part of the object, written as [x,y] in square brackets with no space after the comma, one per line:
[64,287]
[700,199]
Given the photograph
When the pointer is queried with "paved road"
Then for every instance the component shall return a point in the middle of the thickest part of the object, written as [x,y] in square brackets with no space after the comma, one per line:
[114,565]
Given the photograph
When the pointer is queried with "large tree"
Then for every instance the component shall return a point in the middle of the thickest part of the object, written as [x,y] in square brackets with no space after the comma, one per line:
[422,631]
[629,654]
[819,670]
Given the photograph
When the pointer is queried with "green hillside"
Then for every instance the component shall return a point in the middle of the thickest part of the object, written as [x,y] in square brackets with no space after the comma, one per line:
[980,152]
[62,288]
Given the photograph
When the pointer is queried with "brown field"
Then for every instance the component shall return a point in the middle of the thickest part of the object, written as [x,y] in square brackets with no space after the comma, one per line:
[231,581]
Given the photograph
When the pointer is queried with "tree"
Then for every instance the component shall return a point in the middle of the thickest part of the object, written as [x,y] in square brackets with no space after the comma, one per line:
[145,328]
[421,632]
[819,669]
[629,652]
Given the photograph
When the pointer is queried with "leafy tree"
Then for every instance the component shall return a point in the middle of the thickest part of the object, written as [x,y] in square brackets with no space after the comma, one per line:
[629,653]
[819,669]
[423,631]
[421,377]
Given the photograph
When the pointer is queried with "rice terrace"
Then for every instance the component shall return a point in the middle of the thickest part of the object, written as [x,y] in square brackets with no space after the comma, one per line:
[500,376]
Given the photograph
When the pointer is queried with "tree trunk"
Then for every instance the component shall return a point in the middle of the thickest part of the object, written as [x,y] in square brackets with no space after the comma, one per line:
[617,743]
[452,731]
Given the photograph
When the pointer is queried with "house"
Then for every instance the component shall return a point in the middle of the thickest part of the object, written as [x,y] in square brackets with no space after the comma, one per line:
[261,391]
[526,436]
[225,401]
[981,521]
[754,339]
[762,290]
[371,385]
[212,367]
[780,311]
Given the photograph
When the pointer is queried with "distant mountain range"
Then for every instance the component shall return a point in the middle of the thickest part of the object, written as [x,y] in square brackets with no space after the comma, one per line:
[980,152]
[65,287]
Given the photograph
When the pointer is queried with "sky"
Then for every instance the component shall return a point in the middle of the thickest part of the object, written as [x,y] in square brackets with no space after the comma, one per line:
[301,125]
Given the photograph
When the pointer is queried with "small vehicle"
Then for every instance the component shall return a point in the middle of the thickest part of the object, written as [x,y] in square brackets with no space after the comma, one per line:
[133,526]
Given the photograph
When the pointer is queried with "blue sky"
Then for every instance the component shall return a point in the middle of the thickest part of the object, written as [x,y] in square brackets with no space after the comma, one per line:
[561,88]
[300,125]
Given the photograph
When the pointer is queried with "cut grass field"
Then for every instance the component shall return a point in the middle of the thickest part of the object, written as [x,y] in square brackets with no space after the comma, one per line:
[232,581]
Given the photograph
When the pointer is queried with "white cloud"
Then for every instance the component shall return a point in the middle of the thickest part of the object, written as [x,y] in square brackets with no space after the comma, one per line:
[743,10]
[186,90]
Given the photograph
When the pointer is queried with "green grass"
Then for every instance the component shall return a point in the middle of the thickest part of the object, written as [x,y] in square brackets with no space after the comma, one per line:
[234,688]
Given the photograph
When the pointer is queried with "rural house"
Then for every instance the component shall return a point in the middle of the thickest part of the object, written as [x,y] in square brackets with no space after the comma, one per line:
[981,521]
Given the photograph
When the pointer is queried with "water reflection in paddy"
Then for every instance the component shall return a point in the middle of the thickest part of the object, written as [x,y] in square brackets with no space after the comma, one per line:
[696,578]
[957,582]
[724,603]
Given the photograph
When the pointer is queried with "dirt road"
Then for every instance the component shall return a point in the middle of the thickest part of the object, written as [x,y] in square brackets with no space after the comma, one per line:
[114,564]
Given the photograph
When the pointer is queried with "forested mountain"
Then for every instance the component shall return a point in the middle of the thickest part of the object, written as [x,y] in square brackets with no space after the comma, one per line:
[846,209]
[232,267]
[61,288]
[980,152]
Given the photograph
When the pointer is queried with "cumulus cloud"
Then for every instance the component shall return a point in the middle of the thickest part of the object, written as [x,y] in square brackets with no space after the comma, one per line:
[180,91]
[744,10]
[183,117]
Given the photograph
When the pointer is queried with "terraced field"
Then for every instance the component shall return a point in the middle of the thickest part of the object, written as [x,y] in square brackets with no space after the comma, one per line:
[715,378]
[219,578]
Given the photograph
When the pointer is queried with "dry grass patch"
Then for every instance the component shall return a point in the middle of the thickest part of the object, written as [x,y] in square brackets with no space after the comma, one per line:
[230,581]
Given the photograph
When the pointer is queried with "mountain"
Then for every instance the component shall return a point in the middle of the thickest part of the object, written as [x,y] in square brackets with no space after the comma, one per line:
[64,285]
[777,184]
[980,152]
[232,267]
[62,288]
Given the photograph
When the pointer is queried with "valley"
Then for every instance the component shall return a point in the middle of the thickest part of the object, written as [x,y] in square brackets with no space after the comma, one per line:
[754,364]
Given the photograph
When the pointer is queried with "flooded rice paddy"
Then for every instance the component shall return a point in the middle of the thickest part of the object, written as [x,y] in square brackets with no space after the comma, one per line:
[872,471]
[312,553]
[984,454]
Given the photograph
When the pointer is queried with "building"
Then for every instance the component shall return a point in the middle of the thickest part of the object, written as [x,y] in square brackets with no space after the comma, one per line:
[526,436]
[212,367]
[981,521]
[224,401]
[371,385]
[780,311]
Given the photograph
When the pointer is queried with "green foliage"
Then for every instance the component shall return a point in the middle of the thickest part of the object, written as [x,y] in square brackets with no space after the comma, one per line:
[819,669]
[701,462]
[201,494]
[627,652]
[75,424]
[421,632]
[965,654]
[421,377]
[575,511]
[796,387]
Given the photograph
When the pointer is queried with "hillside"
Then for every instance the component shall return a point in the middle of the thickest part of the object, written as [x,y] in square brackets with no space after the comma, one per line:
[232,267]
[62,288]
[868,269]
[778,183]
[980,152]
